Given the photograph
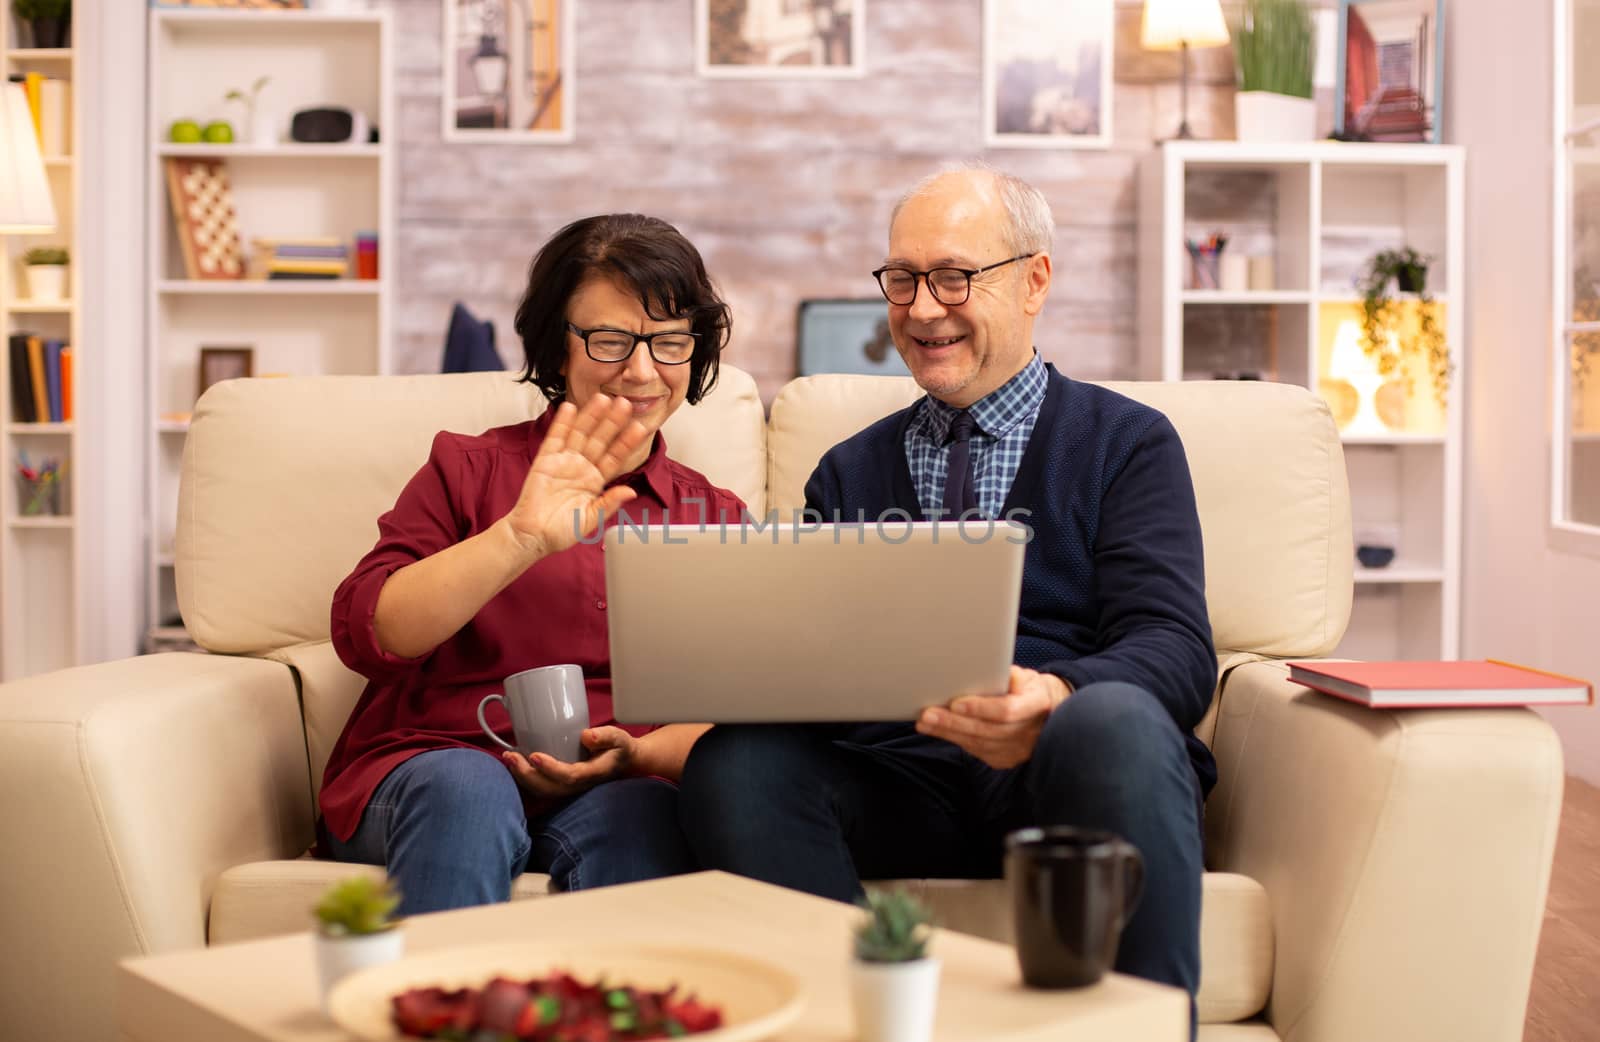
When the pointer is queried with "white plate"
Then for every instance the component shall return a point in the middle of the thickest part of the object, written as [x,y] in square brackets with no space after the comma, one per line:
[757,999]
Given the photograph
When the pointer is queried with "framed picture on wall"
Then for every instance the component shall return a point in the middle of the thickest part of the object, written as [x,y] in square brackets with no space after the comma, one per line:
[778,38]
[508,71]
[224,363]
[846,336]
[1047,73]
[1390,84]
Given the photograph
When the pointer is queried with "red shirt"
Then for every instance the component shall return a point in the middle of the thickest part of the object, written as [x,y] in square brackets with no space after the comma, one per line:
[554,612]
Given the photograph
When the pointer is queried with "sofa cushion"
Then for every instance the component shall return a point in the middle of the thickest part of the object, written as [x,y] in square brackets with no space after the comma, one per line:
[283,482]
[274,897]
[329,691]
[1269,479]
[266,898]
[814,413]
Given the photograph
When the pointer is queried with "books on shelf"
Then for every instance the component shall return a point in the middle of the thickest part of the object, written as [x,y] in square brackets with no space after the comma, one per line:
[55,108]
[50,105]
[316,258]
[41,379]
[1438,685]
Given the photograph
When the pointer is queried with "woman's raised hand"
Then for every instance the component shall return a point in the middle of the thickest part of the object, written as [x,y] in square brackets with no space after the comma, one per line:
[564,496]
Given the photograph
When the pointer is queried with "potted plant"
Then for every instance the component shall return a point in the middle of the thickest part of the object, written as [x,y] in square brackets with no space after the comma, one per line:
[894,983]
[1275,47]
[356,929]
[1381,335]
[47,272]
[48,20]
[261,131]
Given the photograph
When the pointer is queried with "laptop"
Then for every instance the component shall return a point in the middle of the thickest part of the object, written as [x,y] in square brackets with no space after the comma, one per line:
[806,623]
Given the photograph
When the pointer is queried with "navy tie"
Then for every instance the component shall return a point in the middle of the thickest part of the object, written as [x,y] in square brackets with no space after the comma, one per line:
[959,494]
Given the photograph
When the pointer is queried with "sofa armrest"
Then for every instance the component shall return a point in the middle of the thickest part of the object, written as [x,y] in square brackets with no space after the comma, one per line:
[130,786]
[1406,856]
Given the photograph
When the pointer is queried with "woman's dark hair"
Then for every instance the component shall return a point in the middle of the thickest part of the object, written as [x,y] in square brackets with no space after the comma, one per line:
[645,253]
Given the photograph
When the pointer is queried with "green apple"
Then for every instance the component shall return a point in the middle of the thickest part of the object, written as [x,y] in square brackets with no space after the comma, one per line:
[184,131]
[219,132]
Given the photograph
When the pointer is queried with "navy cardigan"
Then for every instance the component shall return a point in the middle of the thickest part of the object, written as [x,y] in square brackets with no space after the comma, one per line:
[1113,584]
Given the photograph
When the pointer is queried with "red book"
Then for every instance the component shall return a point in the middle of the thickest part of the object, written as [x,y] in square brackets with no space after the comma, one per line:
[1437,685]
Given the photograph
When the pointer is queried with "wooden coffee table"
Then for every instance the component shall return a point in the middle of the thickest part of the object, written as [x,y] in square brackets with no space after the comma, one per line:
[267,989]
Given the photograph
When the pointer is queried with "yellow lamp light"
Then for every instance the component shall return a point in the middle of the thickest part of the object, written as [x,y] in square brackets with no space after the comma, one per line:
[1171,25]
[25,205]
[1351,363]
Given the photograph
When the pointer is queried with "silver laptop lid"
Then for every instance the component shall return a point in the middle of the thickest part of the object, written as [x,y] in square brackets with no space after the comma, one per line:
[801,622]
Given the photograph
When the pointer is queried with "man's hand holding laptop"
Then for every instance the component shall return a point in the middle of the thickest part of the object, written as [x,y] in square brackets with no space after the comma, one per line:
[1000,730]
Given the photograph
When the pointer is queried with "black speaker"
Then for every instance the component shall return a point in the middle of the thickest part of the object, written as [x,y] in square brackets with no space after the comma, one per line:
[328,125]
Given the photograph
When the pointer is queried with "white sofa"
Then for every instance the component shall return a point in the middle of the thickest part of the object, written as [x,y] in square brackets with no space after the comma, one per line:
[1374,876]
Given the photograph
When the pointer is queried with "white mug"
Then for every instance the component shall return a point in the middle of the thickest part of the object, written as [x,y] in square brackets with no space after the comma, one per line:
[549,709]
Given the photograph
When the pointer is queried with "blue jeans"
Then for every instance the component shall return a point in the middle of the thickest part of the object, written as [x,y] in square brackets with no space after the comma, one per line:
[799,807]
[450,826]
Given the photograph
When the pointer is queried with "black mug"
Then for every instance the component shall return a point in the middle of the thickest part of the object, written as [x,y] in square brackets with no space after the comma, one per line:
[1072,891]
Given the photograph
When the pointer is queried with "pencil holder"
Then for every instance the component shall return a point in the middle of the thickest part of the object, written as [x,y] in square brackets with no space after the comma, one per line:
[38,497]
[1203,272]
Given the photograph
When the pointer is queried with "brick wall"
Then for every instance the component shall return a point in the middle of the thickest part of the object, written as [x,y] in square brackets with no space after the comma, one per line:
[784,185]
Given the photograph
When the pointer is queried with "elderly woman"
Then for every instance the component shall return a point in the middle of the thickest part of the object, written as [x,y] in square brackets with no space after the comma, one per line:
[486,566]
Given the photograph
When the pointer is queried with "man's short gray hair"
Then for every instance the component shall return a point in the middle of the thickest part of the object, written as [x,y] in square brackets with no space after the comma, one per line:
[1030,227]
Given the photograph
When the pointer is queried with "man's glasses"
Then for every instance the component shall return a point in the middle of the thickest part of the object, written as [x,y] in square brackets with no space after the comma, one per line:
[616,345]
[949,286]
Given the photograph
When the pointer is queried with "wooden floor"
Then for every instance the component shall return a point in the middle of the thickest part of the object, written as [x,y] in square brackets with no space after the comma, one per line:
[1564,1005]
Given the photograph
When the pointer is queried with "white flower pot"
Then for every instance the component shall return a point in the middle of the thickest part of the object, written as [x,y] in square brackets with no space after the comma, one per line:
[894,1001]
[47,281]
[1261,115]
[338,957]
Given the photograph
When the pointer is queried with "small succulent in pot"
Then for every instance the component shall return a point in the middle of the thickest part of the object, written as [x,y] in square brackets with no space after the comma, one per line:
[895,928]
[894,982]
[45,268]
[356,929]
[358,906]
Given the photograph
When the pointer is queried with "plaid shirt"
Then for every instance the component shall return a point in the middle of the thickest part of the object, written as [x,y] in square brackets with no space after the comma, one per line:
[1004,418]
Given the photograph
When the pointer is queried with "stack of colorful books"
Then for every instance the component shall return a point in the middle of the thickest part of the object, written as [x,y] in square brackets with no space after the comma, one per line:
[299,259]
[41,379]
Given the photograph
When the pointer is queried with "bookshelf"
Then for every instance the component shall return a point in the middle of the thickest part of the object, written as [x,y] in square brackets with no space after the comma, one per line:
[41,625]
[1311,214]
[280,189]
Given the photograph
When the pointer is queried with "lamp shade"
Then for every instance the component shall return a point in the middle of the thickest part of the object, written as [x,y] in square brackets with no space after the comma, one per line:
[1350,362]
[1169,24]
[1348,359]
[25,204]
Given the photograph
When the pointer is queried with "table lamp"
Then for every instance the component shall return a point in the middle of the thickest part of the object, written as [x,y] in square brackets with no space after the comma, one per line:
[1351,363]
[1172,25]
[25,205]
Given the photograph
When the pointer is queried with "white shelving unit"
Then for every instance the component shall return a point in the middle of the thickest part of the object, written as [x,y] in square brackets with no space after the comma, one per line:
[41,621]
[263,288]
[1319,210]
[281,190]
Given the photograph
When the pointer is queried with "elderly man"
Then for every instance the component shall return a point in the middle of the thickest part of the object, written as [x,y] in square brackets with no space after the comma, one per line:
[1114,664]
